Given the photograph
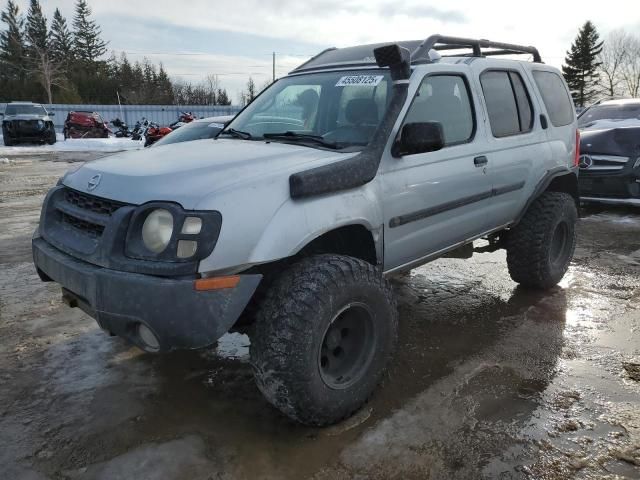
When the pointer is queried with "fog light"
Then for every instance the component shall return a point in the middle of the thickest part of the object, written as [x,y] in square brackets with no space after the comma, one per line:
[192,225]
[150,341]
[186,248]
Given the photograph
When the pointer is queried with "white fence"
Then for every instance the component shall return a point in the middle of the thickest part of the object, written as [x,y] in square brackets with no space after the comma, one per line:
[162,114]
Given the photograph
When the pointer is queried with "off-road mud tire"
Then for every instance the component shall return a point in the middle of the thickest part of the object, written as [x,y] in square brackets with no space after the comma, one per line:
[535,256]
[287,341]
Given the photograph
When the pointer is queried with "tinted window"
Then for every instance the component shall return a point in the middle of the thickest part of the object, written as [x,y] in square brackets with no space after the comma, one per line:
[507,102]
[555,97]
[525,111]
[444,99]
[25,110]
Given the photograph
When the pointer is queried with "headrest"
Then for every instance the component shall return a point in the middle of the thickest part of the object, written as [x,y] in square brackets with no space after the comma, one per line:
[362,110]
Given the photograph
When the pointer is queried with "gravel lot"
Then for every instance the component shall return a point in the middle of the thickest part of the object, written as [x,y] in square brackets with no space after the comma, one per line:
[489,381]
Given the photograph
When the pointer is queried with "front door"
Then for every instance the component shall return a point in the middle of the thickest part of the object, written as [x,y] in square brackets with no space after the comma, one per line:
[434,200]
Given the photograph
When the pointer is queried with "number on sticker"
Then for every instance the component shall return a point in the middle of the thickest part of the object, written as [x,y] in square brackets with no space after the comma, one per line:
[360,80]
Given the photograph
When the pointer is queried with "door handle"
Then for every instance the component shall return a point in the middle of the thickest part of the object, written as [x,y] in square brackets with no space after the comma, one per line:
[480,161]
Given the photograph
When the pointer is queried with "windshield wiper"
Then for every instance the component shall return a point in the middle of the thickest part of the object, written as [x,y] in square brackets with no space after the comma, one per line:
[237,133]
[305,137]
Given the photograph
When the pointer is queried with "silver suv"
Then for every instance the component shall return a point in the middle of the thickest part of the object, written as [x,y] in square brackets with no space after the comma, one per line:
[362,162]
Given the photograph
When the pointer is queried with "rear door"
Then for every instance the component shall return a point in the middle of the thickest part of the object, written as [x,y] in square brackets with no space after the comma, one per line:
[434,200]
[516,140]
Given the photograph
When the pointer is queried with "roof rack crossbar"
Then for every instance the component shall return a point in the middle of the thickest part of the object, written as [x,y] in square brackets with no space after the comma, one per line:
[441,42]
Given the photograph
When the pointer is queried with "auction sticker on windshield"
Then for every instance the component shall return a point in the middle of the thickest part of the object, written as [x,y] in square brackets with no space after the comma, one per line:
[360,80]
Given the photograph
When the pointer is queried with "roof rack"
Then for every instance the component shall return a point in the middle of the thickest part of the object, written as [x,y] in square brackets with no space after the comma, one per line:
[442,42]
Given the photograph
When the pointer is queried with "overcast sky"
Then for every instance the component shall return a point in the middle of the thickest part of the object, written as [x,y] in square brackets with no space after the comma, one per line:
[234,39]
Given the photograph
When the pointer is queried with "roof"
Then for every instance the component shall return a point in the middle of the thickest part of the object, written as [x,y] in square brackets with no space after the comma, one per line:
[620,101]
[422,51]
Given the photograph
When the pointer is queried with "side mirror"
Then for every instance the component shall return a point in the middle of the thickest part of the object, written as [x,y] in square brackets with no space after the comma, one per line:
[1,114]
[51,114]
[419,138]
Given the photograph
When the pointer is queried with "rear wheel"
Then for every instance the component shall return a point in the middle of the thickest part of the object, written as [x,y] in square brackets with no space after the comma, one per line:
[323,336]
[541,246]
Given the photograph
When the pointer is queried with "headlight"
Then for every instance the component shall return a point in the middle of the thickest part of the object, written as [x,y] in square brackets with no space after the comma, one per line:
[157,230]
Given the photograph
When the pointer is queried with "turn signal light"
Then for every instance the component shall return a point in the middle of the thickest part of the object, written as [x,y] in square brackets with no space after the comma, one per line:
[216,283]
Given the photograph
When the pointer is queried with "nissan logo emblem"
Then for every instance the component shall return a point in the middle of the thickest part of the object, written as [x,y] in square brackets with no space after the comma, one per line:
[585,162]
[94,182]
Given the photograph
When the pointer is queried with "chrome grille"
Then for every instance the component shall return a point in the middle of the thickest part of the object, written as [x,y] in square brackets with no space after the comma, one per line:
[593,162]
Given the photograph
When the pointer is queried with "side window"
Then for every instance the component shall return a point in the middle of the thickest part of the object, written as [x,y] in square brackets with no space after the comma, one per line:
[555,97]
[444,99]
[508,103]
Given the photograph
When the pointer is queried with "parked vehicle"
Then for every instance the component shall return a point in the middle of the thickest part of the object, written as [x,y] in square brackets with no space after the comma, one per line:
[197,130]
[362,162]
[85,124]
[139,129]
[122,128]
[183,119]
[155,132]
[27,122]
[610,152]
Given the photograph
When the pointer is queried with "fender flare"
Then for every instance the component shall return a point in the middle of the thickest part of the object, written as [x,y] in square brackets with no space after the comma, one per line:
[544,184]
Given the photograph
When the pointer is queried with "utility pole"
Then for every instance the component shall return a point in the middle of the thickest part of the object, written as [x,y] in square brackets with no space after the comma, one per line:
[274,66]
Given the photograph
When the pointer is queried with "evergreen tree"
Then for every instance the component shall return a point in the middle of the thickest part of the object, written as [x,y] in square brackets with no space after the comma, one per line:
[36,29]
[11,46]
[581,65]
[61,39]
[87,44]
[222,97]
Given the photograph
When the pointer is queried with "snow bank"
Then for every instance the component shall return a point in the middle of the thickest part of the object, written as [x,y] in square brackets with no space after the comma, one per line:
[111,144]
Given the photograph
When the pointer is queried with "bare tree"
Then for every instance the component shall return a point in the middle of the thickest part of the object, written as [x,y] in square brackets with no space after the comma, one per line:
[46,71]
[612,60]
[630,70]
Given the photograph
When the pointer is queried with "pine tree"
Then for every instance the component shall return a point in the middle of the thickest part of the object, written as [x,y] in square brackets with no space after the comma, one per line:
[12,44]
[87,44]
[222,97]
[36,29]
[61,39]
[581,65]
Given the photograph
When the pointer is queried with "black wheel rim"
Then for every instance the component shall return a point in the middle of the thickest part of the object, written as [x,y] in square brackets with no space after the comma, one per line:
[347,346]
[559,243]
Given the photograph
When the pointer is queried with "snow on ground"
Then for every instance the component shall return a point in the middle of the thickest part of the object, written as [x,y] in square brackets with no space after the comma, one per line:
[111,144]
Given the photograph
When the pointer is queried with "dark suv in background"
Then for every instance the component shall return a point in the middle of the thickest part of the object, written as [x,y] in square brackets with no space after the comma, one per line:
[610,152]
[27,122]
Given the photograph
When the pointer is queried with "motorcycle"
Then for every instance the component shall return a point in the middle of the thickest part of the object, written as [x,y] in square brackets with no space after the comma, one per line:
[183,119]
[155,132]
[139,129]
[122,128]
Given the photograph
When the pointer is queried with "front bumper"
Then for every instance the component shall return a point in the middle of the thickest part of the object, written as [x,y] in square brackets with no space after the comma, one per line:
[620,187]
[179,316]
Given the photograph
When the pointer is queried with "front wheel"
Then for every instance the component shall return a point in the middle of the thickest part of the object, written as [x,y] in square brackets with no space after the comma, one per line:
[324,334]
[540,247]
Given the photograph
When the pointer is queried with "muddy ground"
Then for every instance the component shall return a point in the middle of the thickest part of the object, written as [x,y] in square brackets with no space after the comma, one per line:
[490,380]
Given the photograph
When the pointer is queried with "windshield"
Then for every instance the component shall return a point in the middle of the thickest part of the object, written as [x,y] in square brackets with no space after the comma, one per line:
[25,110]
[332,109]
[192,131]
[609,112]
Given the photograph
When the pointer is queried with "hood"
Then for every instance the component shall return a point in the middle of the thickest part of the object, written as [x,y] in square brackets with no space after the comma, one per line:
[186,172]
[24,116]
[617,140]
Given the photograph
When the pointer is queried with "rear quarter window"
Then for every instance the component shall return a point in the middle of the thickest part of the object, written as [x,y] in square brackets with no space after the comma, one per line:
[555,97]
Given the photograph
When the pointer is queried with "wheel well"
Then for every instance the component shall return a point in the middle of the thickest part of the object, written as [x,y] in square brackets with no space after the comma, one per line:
[353,240]
[565,183]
